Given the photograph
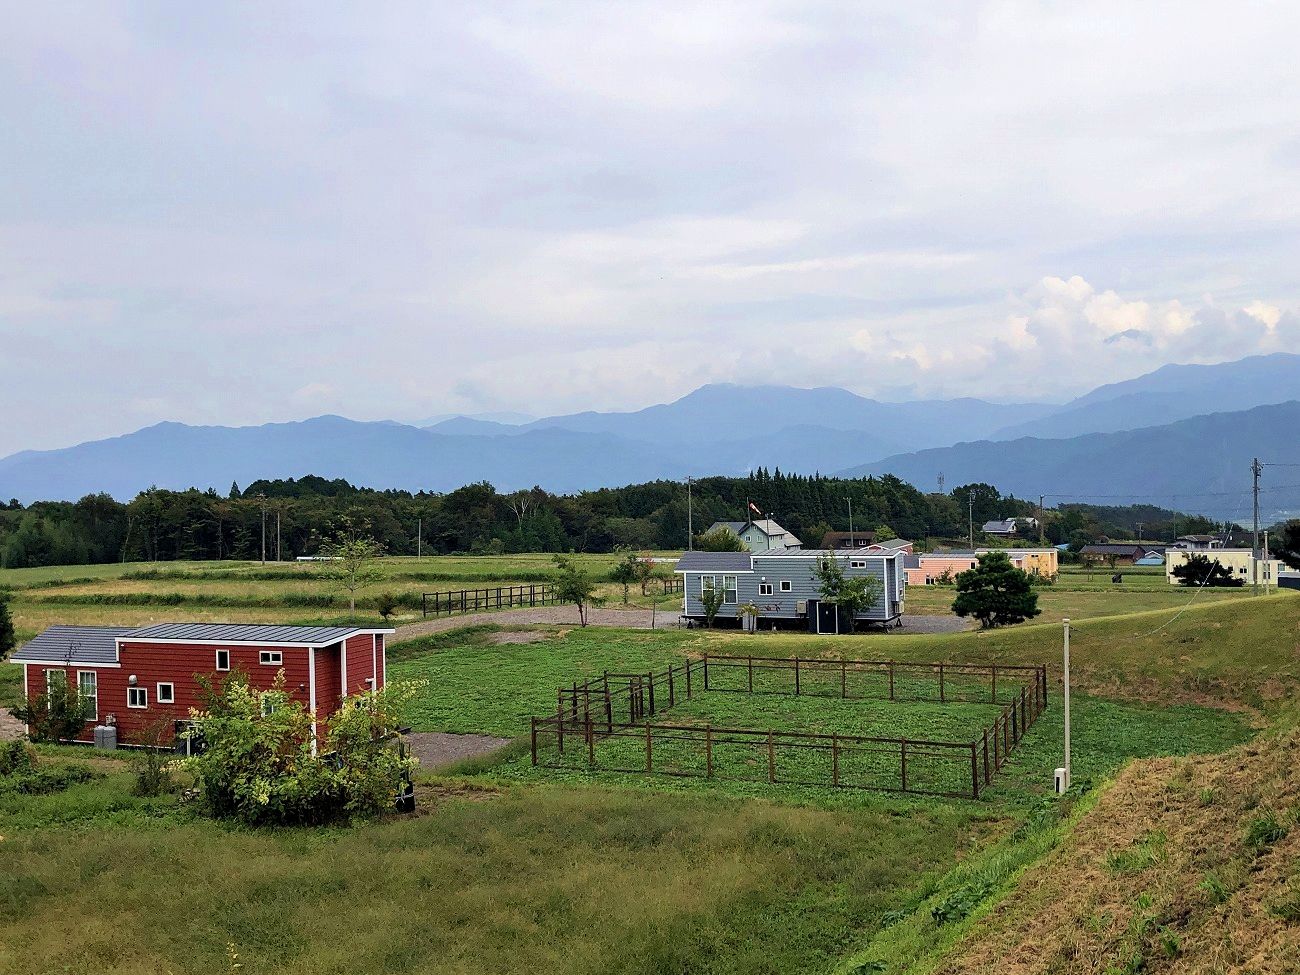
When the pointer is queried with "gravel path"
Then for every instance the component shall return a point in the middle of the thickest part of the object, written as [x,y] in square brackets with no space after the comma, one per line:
[638,619]
[437,749]
[10,727]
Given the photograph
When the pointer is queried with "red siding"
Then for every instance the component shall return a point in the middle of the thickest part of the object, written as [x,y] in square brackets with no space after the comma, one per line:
[360,662]
[329,681]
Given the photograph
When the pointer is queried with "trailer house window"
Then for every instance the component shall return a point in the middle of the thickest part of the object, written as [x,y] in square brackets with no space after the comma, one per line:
[88,693]
[729,589]
[786,585]
[137,697]
[52,678]
[223,660]
[857,563]
[272,657]
[765,589]
[166,693]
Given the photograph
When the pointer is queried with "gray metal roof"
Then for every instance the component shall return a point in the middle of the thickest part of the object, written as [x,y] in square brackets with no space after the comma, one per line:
[245,633]
[833,553]
[72,645]
[715,562]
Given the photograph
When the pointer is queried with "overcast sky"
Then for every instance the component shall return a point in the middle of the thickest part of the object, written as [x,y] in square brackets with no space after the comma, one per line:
[234,213]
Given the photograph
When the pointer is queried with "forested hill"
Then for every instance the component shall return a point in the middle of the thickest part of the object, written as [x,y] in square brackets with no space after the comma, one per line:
[169,525]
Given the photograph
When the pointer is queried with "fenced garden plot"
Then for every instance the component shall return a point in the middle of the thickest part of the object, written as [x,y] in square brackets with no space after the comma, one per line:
[824,733]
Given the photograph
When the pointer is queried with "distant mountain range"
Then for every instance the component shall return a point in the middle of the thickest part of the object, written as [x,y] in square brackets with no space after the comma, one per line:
[1028,448]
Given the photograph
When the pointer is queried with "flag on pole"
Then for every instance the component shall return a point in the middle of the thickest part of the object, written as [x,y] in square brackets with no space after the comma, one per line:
[754,508]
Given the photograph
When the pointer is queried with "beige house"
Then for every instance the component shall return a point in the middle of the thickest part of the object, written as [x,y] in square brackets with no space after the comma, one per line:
[1238,561]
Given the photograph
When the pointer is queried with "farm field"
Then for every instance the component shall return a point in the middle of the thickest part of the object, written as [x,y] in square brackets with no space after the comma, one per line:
[511,868]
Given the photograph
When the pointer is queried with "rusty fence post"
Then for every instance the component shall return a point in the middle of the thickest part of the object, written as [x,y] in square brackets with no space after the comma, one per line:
[689,661]
[650,679]
[706,670]
[672,693]
[796,676]
[988,776]
[993,696]
[559,721]
[844,664]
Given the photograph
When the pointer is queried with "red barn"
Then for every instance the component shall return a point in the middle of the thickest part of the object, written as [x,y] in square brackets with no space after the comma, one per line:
[141,678]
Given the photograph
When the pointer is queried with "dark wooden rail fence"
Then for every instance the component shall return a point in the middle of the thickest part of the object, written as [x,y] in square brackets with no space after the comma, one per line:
[615,709]
[477,600]
[674,585]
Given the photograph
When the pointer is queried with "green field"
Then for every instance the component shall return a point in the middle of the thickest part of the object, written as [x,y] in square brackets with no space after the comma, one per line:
[511,868]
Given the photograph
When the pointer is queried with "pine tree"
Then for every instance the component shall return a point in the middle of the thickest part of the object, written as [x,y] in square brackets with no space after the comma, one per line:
[995,592]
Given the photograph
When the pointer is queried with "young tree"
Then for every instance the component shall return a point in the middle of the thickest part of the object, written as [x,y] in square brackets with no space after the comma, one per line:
[995,592]
[719,539]
[1200,570]
[353,556]
[884,533]
[58,714]
[8,639]
[711,597]
[573,585]
[644,571]
[852,594]
[625,573]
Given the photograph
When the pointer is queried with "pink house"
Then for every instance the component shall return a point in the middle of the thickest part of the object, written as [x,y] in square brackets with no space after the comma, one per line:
[926,569]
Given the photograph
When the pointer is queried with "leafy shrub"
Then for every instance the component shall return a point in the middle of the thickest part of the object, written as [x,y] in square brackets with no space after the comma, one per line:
[44,781]
[959,903]
[16,757]
[258,764]
[386,605]
[56,715]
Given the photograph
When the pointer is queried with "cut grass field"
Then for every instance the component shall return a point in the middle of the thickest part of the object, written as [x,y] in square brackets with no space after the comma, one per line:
[508,868]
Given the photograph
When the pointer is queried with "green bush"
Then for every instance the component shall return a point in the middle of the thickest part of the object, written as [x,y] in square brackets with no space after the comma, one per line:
[258,764]
[1263,832]
[16,757]
[57,715]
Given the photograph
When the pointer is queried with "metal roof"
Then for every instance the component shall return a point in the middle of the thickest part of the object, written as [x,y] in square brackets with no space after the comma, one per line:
[246,633]
[715,562]
[831,553]
[72,645]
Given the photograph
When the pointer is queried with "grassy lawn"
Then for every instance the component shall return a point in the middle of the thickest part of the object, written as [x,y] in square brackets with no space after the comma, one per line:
[510,868]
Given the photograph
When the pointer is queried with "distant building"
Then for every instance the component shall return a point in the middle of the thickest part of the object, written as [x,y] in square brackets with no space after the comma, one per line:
[1238,561]
[858,539]
[761,535]
[783,584]
[1007,527]
[1198,543]
[928,568]
[1121,553]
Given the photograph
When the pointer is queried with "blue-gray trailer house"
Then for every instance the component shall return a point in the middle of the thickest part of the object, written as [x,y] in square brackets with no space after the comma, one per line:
[782,583]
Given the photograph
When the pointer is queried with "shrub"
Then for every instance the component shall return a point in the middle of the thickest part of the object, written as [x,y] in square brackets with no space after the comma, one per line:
[258,765]
[56,715]
[16,757]
[386,605]
[958,904]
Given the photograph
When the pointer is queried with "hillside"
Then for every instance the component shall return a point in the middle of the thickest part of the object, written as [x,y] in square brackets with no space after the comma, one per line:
[1203,462]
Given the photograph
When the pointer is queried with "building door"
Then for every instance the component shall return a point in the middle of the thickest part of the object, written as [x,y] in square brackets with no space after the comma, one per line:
[828,617]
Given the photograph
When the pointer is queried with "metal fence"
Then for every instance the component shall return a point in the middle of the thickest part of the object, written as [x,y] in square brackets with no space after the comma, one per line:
[476,600]
[607,724]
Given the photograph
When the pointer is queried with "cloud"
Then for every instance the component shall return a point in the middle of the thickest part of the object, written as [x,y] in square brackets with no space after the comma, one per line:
[407,210]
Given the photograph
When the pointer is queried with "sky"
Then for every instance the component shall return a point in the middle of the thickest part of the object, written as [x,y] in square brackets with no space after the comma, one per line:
[231,213]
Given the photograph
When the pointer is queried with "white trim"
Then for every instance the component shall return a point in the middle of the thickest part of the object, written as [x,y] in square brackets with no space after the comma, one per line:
[374,662]
[787,585]
[216,659]
[311,693]
[158,696]
[138,690]
[264,658]
[95,674]
[343,655]
[59,663]
[383,664]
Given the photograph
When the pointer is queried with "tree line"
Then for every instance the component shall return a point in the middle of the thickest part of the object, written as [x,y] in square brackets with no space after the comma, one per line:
[294,517]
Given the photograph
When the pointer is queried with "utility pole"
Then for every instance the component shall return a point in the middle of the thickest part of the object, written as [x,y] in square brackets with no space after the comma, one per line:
[1063,774]
[263,497]
[1041,539]
[1256,468]
[852,541]
[970,515]
[690,521]
[277,535]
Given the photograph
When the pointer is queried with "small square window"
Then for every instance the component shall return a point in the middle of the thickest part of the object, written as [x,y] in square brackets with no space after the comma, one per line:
[167,693]
[137,697]
[223,660]
[272,658]
[786,585]
[765,589]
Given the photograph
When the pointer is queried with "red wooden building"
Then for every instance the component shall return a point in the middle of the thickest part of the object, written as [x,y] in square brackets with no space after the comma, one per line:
[141,678]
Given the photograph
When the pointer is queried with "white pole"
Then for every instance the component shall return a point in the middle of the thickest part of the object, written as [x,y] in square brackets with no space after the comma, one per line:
[1067,703]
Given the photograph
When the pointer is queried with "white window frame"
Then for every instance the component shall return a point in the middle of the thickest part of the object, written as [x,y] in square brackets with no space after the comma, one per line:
[63,674]
[730,588]
[171,692]
[136,692]
[787,585]
[765,589]
[217,662]
[707,582]
[83,697]
[857,563]
[271,658]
